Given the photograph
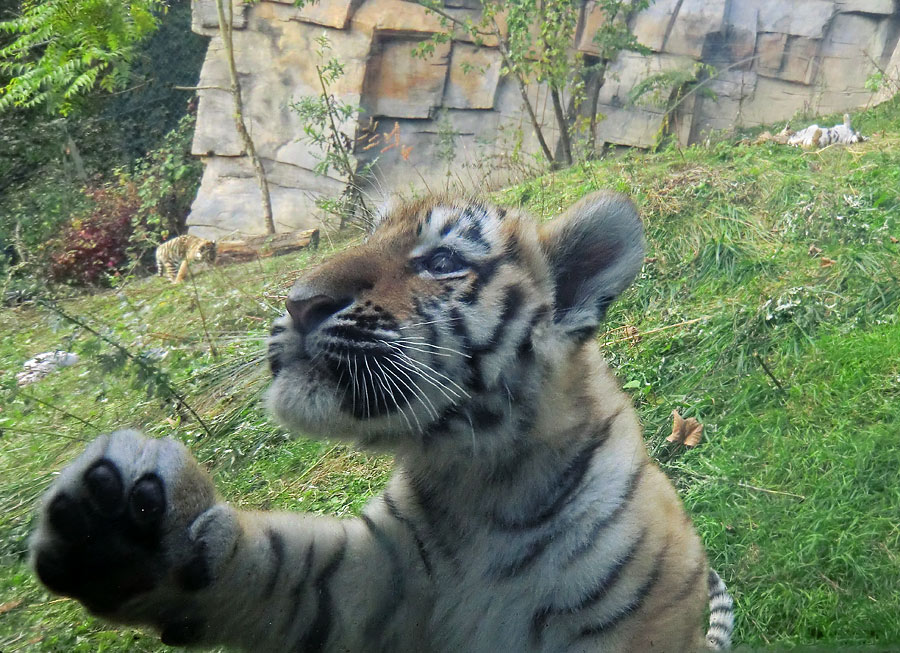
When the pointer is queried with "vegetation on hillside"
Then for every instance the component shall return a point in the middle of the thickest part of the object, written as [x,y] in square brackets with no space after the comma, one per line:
[123,148]
[768,308]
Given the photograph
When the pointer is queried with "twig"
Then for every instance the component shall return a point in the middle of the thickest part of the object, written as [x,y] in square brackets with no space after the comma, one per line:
[767,491]
[212,346]
[153,371]
[63,411]
[767,370]
[202,88]
[647,333]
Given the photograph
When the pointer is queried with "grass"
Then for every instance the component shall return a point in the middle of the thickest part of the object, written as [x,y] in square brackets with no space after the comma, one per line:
[769,309]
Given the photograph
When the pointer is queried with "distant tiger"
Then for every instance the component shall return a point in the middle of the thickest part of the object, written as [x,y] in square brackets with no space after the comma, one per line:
[173,256]
[524,514]
[815,136]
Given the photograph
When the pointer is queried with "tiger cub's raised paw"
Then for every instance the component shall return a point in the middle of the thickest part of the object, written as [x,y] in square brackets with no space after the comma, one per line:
[131,529]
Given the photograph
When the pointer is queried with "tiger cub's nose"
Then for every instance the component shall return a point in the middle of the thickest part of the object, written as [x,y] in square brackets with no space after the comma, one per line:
[309,313]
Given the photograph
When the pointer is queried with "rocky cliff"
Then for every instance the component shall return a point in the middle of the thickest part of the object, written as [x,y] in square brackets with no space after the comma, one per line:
[454,119]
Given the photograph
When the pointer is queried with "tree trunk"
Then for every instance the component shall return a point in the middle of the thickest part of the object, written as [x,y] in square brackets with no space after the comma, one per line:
[565,141]
[225,29]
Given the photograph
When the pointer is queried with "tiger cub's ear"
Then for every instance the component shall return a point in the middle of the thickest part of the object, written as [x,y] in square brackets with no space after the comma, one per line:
[595,250]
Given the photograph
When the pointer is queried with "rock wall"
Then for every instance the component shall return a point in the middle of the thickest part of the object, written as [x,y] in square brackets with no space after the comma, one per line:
[454,120]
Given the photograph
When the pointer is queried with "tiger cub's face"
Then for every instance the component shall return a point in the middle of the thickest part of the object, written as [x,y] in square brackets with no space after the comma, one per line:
[450,312]
[206,252]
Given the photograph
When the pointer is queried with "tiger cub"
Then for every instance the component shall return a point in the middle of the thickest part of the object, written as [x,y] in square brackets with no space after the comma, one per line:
[815,136]
[174,256]
[524,513]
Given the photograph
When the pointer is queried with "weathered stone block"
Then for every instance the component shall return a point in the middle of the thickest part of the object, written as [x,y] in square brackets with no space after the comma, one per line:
[628,126]
[885,7]
[592,19]
[799,64]
[329,13]
[808,18]
[773,100]
[229,205]
[403,86]
[395,16]
[205,17]
[696,20]
[770,53]
[739,41]
[474,74]
[651,25]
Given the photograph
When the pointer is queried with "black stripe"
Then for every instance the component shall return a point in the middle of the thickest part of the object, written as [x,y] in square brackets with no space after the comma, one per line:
[317,636]
[600,590]
[406,521]
[484,418]
[484,271]
[379,619]
[635,604]
[719,640]
[436,516]
[473,231]
[304,575]
[512,252]
[604,522]
[276,544]
[564,488]
[512,304]
[299,587]
[532,553]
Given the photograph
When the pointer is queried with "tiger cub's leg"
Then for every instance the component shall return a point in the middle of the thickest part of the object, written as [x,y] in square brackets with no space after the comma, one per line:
[182,272]
[133,529]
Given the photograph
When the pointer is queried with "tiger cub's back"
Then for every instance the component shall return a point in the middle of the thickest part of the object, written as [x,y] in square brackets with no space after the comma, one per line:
[174,256]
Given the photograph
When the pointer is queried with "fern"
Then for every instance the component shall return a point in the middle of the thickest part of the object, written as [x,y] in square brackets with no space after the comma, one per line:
[63,49]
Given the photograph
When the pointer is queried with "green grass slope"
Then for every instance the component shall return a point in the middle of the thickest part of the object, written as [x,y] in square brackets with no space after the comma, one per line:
[768,308]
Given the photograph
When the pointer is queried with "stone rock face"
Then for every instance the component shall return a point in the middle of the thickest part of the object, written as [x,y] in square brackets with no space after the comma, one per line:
[452,120]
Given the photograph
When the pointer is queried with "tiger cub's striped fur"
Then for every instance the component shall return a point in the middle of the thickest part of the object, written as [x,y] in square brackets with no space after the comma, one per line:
[811,136]
[174,256]
[524,513]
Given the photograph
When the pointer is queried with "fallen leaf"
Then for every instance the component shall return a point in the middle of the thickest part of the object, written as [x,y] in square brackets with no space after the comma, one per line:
[10,605]
[813,250]
[685,431]
[826,262]
[634,337]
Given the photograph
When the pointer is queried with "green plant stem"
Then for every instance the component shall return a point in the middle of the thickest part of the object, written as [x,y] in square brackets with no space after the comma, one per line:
[155,372]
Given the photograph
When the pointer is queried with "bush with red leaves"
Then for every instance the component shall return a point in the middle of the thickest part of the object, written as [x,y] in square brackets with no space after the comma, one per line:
[93,247]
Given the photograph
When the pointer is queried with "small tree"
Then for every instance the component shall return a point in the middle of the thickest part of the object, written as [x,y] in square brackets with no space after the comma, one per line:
[537,46]
[323,115]
[225,13]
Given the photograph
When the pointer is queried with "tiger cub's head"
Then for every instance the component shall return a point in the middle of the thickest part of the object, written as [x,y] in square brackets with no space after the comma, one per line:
[205,252]
[446,319]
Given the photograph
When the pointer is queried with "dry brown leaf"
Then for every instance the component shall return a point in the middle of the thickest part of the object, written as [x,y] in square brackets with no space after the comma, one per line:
[826,262]
[813,250]
[685,431]
[633,335]
[10,605]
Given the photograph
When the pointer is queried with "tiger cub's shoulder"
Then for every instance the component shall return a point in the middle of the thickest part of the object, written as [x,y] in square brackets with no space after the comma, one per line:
[174,255]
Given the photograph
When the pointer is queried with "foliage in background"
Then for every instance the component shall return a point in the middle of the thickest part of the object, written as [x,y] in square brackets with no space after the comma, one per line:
[669,89]
[62,49]
[41,188]
[536,44]
[92,248]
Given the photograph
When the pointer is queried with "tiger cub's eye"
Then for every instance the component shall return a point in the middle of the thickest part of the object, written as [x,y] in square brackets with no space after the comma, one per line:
[442,262]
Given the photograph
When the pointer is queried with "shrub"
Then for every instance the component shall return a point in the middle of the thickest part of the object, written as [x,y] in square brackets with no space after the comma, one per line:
[94,247]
